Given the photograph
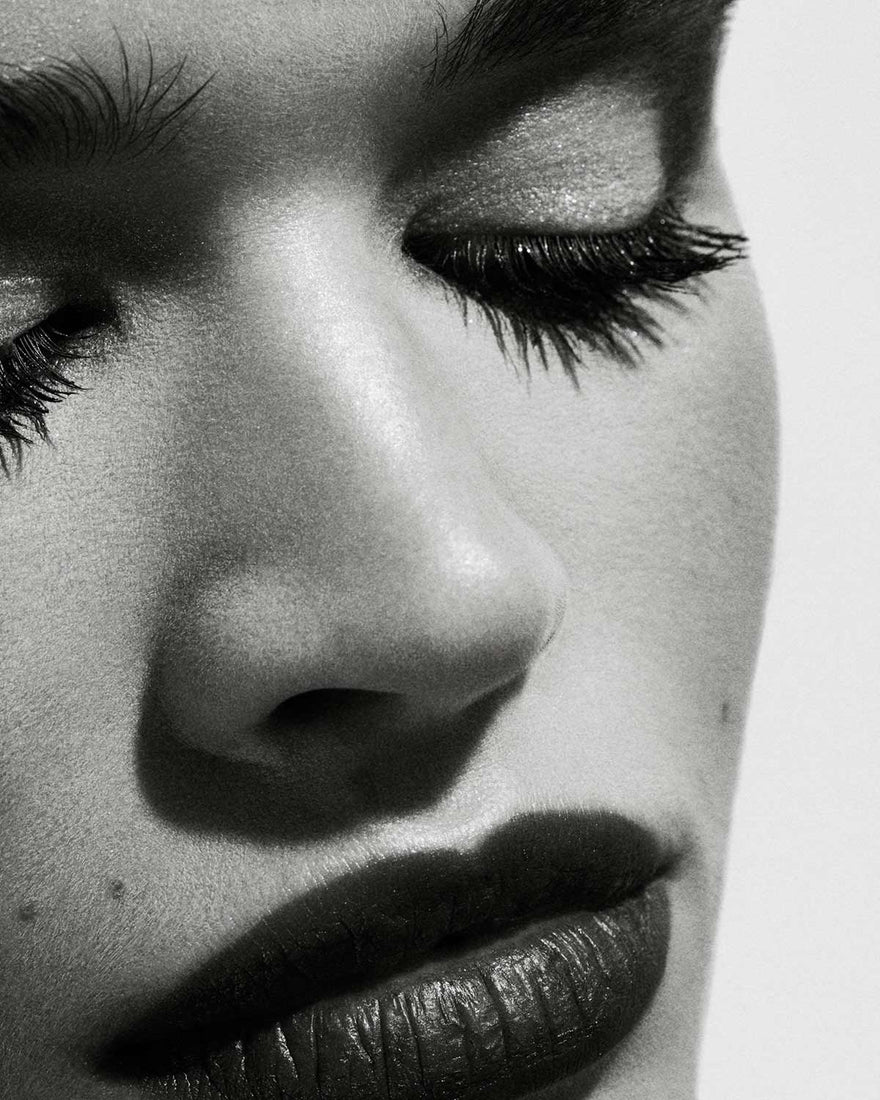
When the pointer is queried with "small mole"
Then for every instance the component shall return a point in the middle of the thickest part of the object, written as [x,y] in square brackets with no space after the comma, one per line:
[27,913]
[116,889]
[725,712]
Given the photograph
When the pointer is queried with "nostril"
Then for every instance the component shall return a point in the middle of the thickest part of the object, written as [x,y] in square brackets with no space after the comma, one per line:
[326,704]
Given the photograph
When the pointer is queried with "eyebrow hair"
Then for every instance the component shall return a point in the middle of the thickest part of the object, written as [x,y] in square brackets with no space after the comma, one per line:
[64,112]
[496,32]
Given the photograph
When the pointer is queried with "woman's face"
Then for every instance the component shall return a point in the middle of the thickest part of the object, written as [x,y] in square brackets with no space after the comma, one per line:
[325,609]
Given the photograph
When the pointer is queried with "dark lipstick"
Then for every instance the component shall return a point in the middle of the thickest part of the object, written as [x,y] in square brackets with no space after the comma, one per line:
[478,975]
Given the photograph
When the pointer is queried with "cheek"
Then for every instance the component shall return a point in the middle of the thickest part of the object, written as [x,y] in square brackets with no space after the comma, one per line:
[656,487]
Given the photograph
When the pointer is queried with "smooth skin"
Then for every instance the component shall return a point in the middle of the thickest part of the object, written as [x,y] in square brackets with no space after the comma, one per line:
[295,469]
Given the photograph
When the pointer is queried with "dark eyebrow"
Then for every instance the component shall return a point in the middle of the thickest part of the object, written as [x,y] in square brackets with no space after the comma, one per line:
[496,32]
[64,112]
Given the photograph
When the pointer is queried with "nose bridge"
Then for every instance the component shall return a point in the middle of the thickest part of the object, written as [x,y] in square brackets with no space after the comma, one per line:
[367,440]
[411,527]
[362,532]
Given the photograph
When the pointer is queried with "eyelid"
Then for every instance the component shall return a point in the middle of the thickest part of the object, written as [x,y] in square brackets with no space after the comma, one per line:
[24,302]
[588,160]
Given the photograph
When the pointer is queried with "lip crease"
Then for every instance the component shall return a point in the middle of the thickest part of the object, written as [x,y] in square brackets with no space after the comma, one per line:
[449,975]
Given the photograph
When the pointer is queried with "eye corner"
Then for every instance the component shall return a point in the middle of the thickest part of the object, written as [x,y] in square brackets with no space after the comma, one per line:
[82,318]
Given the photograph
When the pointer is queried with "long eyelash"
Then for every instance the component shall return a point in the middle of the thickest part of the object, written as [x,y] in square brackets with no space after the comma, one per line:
[544,292]
[30,381]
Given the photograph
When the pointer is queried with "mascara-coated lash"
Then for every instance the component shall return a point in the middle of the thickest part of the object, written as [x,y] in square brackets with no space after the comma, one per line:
[567,292]
[31,378]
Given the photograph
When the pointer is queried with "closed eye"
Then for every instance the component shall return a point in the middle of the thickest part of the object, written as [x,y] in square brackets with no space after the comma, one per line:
[546,292]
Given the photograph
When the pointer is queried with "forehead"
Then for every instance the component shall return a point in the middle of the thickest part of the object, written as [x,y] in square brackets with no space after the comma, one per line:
[358,36]
[276,42]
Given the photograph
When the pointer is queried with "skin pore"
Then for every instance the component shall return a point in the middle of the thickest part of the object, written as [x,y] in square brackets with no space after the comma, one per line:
[313,572]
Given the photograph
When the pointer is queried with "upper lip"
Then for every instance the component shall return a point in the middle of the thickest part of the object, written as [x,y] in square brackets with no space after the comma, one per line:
[387,919]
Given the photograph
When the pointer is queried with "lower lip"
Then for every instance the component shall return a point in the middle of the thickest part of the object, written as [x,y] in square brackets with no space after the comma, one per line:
[495,1023]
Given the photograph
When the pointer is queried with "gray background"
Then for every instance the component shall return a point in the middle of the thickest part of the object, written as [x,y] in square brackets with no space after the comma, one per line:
[795,1006]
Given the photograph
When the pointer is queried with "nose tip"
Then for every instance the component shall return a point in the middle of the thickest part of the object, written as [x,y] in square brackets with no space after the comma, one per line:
[489,613]
[404,642]
[443,618]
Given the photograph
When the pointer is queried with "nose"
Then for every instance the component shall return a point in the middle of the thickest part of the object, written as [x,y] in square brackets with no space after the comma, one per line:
[353,573]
